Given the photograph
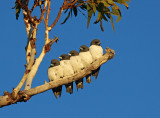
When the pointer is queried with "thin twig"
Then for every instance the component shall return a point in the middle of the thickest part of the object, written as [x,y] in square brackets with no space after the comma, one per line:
[43,11]
[56,20]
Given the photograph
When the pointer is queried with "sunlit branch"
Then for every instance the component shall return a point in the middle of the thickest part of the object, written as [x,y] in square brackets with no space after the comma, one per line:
[56,20]
[25,95]
[29,65]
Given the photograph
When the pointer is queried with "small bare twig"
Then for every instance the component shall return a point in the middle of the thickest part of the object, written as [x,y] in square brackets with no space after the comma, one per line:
[43,11]
[56,20]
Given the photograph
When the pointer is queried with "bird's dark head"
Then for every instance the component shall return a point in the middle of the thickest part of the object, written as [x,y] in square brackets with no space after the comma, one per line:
[73,53]
[64,57]
[54,62]
[96,42]
[84,48]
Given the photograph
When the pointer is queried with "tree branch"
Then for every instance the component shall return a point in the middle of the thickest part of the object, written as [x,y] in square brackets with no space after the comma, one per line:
[25,95]
[43,11]
[56,20]
[29,65]
[45,49]
[29,34]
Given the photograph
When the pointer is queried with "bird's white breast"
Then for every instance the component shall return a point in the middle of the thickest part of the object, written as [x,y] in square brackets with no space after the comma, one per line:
[67,68]
[76,63]
[86,58]
[96,51]
[55,73]
[51,74]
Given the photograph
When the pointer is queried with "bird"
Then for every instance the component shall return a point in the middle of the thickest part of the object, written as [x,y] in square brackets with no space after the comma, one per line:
[55,72]
[86,58]
[96,51]
[77,65]
[67,71]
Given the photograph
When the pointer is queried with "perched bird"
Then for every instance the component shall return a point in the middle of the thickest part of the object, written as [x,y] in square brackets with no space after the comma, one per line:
[67,71]
[77,65]
[96,51]
[55,72]
[86,58]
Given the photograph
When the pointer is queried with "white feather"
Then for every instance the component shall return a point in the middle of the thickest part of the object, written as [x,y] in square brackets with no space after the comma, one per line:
[96,51]
[76,63]
[86,58]
[55,72]
[67,68]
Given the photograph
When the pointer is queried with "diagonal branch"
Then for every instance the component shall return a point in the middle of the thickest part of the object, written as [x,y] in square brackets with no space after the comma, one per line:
[43,11]
[56,20]
[29,66]
[29,32]
[25,95]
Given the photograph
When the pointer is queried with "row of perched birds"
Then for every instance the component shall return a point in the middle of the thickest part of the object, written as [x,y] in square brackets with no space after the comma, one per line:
[73,63]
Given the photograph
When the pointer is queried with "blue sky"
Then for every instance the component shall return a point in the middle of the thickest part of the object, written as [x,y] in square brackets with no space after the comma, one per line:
[127,86]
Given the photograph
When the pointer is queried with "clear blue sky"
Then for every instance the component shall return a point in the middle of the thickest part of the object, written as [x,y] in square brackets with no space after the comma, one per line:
[128,86]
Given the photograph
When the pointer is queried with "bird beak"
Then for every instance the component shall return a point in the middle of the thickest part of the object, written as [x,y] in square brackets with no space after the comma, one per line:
[69,54]
[81,48]
[51,65]
[99,43]
[60,57]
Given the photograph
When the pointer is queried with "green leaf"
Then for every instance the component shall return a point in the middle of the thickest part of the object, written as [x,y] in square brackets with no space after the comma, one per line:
[128,1]
[18,10]
[105,4]
[66,18]
[94,8]
[103,16]
[66,11]
[101,25]
[83,7]
[121,1]
[110,2]
[71,12]
[119,16]
[99,17]
[90,12]
[75,11]
[108,15]
[115,11]
[118,19]
[100,7]
[112,23]
[126,5]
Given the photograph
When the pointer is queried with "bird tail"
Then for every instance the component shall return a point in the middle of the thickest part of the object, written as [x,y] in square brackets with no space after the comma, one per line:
[57,91]
[95,72]
[79,84]
[88,78]
[69,88]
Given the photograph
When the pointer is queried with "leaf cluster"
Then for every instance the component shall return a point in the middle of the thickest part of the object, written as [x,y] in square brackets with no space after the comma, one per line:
[105,9]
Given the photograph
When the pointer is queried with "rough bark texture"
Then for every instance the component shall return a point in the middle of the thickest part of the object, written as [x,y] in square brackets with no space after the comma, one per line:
[25,95]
